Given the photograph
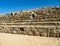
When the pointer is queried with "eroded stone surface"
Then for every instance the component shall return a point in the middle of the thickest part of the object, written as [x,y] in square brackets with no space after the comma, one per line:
[43,17]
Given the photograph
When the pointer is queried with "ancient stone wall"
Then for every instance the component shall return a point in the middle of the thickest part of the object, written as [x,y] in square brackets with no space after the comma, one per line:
[39,22]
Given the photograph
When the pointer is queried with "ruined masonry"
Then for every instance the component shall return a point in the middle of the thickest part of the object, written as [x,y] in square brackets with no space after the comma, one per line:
[43,22]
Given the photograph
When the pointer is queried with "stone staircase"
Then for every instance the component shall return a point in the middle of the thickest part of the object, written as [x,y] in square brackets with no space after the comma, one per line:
[38,22]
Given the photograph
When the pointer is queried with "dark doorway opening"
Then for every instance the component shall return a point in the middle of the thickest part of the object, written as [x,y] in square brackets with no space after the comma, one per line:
[22,29]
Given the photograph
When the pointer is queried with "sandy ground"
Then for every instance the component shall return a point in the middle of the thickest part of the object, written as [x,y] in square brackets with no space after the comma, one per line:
[24,40]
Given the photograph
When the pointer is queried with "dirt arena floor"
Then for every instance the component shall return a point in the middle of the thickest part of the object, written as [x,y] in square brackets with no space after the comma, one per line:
[25,40]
